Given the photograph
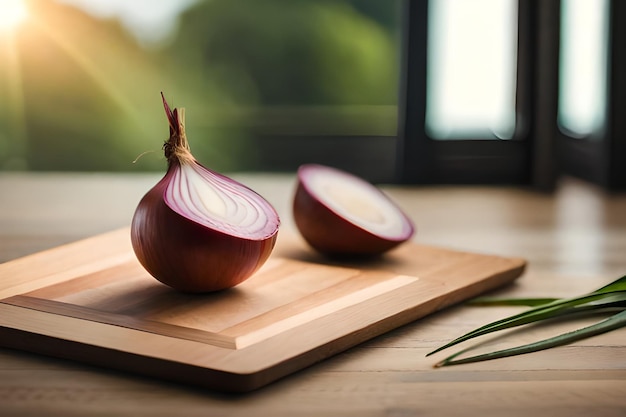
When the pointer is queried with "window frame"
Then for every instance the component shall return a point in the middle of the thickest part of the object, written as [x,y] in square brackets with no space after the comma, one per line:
[601,159]
[537,156]
[527,158]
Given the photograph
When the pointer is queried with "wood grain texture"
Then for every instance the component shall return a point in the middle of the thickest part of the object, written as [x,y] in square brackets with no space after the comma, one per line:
[288,315]
[574,241]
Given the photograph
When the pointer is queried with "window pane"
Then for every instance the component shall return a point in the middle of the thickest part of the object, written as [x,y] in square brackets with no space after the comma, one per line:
[472,57]
[584,44]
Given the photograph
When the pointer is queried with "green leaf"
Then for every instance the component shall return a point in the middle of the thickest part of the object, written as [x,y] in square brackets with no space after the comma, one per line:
[542,312]
[611,297]
[617,285]
[612,323]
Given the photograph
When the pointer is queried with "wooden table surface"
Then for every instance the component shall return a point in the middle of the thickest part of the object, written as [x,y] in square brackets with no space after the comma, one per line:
[574,241]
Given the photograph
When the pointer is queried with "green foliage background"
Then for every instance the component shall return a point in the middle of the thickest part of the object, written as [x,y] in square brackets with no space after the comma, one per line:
[77,93]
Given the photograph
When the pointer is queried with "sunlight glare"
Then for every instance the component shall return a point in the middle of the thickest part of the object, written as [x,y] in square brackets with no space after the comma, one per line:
[12,13]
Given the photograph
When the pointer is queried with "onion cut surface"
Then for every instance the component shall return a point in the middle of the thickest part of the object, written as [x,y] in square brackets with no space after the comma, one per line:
[197,230]
[339,213]
[217,202]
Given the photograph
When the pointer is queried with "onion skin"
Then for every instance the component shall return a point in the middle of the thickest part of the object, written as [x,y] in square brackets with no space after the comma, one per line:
[188,256]
[333,235]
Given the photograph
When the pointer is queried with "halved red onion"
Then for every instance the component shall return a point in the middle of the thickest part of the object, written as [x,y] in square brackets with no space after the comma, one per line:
[197,230]
[339,213]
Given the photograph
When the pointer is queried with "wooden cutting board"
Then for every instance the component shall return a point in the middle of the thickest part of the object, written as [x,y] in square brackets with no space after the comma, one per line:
[92,301]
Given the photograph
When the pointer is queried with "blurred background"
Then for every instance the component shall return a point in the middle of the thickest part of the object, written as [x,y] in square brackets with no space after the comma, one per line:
[80,79]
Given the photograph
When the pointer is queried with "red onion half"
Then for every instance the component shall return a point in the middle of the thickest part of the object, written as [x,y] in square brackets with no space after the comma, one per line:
[197,230]
[341,214]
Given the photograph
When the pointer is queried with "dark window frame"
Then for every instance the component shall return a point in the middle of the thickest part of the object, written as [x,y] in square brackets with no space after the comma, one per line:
[601,159]
[536,157]
[527,158]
